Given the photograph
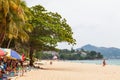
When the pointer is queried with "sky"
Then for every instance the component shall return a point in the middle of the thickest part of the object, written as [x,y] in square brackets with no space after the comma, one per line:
[95,22]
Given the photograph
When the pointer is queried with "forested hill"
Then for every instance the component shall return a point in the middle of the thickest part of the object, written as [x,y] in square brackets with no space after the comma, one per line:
[111,52]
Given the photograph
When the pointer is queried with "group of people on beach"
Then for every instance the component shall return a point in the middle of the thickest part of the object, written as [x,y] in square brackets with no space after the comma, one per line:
[10,68]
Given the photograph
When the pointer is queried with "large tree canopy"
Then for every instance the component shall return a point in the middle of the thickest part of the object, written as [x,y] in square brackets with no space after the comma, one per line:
[49,29]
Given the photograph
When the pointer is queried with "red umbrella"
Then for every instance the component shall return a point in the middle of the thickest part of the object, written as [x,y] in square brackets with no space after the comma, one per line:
[2,52]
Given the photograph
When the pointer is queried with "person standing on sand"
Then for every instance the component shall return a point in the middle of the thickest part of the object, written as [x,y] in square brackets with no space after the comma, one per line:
[104,62]
[51,63]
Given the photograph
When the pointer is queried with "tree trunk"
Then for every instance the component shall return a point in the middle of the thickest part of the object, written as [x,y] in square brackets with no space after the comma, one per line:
[3,32]
[2,37]
[31,56]
[9,43]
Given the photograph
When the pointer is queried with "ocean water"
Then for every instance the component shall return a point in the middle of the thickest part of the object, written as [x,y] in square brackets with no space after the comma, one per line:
[108,62]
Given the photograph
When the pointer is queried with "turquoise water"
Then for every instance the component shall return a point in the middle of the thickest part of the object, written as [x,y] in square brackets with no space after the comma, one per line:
[108,62]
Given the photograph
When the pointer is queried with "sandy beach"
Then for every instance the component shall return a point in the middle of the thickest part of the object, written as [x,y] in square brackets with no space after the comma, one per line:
[61,70]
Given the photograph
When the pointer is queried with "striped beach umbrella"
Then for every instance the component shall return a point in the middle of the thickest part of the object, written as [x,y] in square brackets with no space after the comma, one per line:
[12,54]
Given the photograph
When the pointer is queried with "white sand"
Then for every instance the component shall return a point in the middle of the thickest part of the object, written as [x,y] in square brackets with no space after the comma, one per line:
[60,70]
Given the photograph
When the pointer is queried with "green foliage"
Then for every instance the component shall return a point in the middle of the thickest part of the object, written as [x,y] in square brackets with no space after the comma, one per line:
[43,29]
[14,22]
[65,51]
[64,56]
[94,55]
[49,29]
[72,50]
[77,55]
[99,56]
[40,55]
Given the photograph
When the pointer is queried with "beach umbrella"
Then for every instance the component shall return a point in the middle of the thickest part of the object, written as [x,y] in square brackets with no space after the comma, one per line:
[12,54]
[55,57]
[2,52]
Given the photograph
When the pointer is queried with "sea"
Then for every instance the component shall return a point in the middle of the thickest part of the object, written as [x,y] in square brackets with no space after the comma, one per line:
[99,62]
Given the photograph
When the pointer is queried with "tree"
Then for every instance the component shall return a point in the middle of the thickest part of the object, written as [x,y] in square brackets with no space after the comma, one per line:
[99,56]
[72,50]
[41,55]
[13,21]
[49,29]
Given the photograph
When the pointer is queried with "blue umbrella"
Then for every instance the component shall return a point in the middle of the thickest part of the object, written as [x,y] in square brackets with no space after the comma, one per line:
[13,54]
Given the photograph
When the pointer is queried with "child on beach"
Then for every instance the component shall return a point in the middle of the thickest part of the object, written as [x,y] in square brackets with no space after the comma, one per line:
[50,62]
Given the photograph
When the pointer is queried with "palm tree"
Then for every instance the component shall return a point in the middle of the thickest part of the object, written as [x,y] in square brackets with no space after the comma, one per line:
[13,20]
